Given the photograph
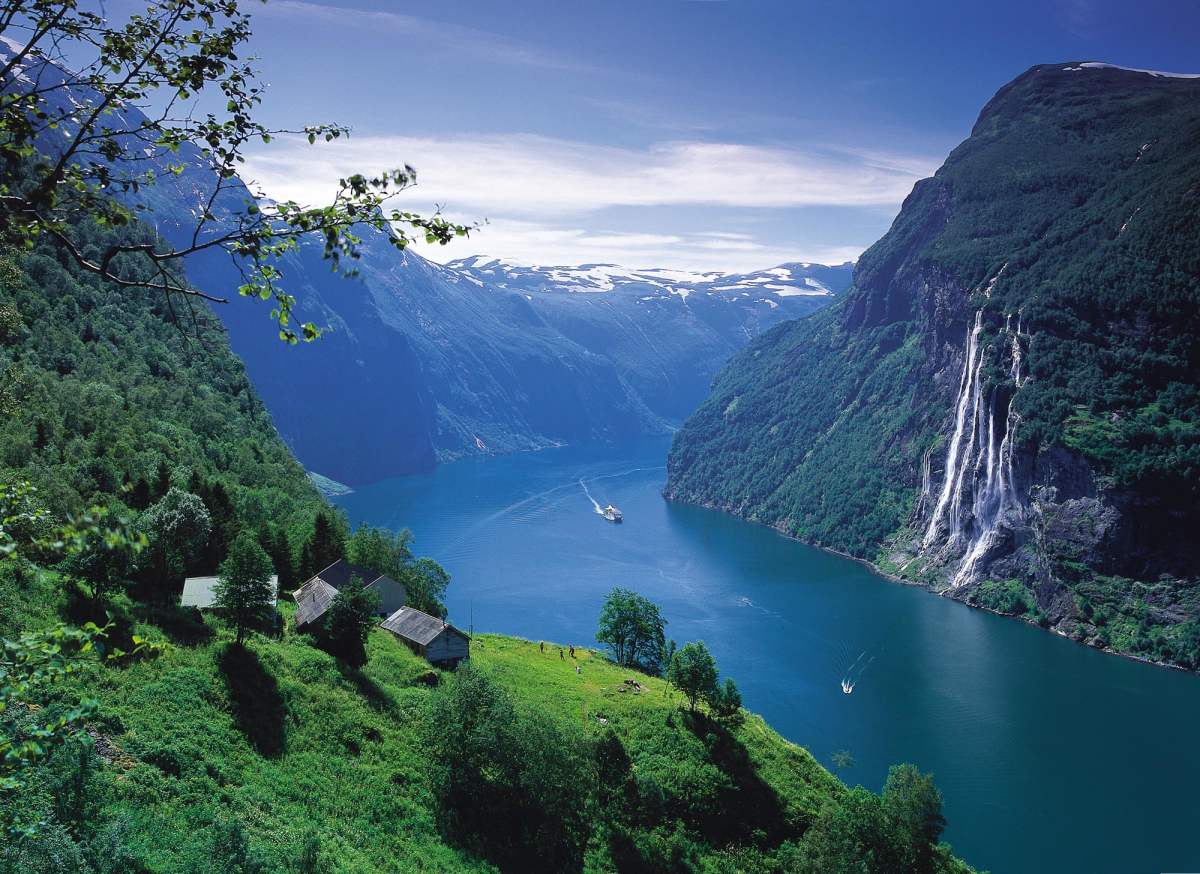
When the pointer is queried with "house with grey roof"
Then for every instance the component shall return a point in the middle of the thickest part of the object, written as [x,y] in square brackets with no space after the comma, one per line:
[201,592]
[439,642]
[315,596]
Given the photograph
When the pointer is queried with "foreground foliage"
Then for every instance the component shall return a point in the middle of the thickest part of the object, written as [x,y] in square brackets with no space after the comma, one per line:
[218,758]
[91,104]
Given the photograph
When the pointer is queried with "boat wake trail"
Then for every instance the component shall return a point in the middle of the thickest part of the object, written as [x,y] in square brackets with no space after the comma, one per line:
[628,472]
[850,678]
[595,503]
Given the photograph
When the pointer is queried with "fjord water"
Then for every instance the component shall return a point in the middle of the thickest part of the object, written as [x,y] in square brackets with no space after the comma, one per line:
[1051,756]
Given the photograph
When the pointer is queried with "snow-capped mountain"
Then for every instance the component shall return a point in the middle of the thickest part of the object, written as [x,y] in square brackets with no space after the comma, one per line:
[799,279]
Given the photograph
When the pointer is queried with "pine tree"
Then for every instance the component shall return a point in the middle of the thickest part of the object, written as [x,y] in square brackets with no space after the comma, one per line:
[244,590]
[225,525]
[274,541]
[162,481]
[324,546]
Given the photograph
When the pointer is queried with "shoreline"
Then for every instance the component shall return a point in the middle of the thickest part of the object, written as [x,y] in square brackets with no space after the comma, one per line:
[893,578]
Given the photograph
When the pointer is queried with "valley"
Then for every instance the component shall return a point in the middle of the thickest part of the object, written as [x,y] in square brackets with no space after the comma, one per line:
[990,706]
[723,457]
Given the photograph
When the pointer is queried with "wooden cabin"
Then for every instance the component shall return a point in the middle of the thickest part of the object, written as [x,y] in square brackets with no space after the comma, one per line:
[439,642]
[201,592]
[315,596]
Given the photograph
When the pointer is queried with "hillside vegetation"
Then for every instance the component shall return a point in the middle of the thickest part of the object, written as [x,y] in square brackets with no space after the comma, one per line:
[203,756]
[281,758]
[1066,221]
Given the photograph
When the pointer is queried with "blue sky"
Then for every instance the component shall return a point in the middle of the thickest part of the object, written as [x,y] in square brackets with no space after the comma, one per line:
[694,135]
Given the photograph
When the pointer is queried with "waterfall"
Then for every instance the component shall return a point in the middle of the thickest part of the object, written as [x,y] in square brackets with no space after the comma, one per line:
[970,378]
[926,481]
[979,496]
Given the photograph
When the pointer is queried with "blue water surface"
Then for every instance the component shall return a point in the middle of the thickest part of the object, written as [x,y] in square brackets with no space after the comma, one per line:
[1051,756]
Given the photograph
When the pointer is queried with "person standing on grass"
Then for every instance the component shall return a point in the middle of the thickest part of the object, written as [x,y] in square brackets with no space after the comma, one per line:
[542,646]
[560,654]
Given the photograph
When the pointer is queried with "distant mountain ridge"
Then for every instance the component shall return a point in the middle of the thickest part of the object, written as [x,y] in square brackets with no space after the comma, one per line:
[425,364]
[797,279]
[1005,405]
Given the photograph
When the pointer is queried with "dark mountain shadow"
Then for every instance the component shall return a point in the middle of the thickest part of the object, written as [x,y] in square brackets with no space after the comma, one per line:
[258,708]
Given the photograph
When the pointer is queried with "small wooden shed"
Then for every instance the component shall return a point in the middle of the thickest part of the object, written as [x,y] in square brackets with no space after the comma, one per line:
[439,642]
[201,592]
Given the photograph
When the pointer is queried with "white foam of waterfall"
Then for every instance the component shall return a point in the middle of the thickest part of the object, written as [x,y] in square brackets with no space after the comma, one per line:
[978,491]
[966,389]
[996,497]
[926,481]
[956,495]
[1015,372]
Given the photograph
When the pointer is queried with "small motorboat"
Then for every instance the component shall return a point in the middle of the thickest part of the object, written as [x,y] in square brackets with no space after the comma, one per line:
[612,514]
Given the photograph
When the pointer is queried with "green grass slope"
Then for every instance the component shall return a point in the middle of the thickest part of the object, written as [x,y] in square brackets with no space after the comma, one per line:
[304,752]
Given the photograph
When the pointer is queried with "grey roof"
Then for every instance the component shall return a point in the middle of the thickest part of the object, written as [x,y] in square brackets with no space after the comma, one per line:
[421,628]
[339,573]
[201,591]
[312,600]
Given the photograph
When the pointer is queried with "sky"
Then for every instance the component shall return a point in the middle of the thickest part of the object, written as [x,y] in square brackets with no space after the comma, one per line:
[705,135]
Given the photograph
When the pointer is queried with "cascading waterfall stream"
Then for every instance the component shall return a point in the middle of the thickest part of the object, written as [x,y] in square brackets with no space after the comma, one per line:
[979,497]
[965,390]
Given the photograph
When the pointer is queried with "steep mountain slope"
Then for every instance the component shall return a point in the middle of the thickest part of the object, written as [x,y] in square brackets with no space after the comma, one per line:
[433,363]
[665,331]
[425,364]
[1004,406]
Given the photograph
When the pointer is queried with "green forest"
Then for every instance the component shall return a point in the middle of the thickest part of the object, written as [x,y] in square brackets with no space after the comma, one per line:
[198,754]
[137,735]
[1069,212]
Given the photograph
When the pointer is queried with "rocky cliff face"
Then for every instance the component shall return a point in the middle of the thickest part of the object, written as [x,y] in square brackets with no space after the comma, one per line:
[1004,405]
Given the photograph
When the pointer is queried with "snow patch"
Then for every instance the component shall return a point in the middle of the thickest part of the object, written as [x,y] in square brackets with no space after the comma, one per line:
[1098,65]
[794,291]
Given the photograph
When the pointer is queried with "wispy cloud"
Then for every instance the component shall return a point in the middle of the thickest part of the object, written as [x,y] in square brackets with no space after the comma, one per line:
[427,34]
[1079,17]
[557,201]
[540,243]
[534,176]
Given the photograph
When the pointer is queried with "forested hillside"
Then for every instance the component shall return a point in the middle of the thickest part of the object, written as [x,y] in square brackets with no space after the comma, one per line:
[113,396]
[1004,404]
[196,753]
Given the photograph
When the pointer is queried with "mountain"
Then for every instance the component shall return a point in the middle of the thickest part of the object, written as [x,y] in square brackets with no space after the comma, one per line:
[665,331]
[424,364]
[205,756]
[1005,404]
